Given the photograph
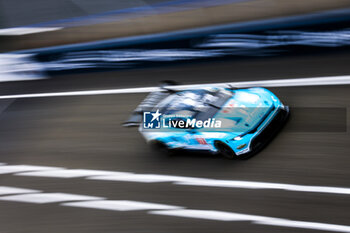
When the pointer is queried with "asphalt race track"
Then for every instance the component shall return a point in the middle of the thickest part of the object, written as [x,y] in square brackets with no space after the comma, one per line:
[84,132]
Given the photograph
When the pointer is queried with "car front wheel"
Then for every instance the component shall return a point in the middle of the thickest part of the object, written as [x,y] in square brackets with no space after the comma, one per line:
[224,150]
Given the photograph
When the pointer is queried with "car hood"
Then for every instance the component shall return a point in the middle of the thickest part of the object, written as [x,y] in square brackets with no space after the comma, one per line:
[244,111]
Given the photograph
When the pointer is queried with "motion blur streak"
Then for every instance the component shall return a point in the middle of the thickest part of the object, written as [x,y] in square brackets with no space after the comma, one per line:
[280,38]
[71,173]
[44,198]
[149,9]
[6,190]
[19,31]
[121,205]
[316,81]
[18,67]
[23,168]
[228,216]
[262,185]
[270,43]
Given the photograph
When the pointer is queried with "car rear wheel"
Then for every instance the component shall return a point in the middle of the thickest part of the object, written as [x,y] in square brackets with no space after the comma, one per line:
[159,147]
[224,150]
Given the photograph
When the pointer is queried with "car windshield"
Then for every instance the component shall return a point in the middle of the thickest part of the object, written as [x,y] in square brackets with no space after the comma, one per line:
[195,103]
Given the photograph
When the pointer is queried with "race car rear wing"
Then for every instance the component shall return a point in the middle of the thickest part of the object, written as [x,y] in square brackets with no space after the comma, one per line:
[148,104]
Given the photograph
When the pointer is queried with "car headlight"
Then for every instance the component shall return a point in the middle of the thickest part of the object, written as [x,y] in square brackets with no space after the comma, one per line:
[241,146]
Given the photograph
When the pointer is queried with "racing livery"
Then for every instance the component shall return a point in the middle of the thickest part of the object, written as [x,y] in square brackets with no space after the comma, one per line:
[236,123]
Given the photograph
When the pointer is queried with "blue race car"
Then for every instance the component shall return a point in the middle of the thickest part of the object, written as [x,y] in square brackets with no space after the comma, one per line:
[236,123]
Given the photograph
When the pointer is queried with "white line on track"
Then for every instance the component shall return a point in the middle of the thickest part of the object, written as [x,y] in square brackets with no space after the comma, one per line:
[261,220]
[72,173]
[5,169]
[5,190]
[92,202]
[19,31]
[143,178]
[265,185]
[54,172]
[316,81]
[192,181]
[43,198]
[122,205]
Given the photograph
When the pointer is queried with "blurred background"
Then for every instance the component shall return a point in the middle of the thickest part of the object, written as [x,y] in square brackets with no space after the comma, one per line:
[66,69]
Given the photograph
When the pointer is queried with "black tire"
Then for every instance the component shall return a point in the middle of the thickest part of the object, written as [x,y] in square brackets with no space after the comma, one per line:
[161,148]
[224,150]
